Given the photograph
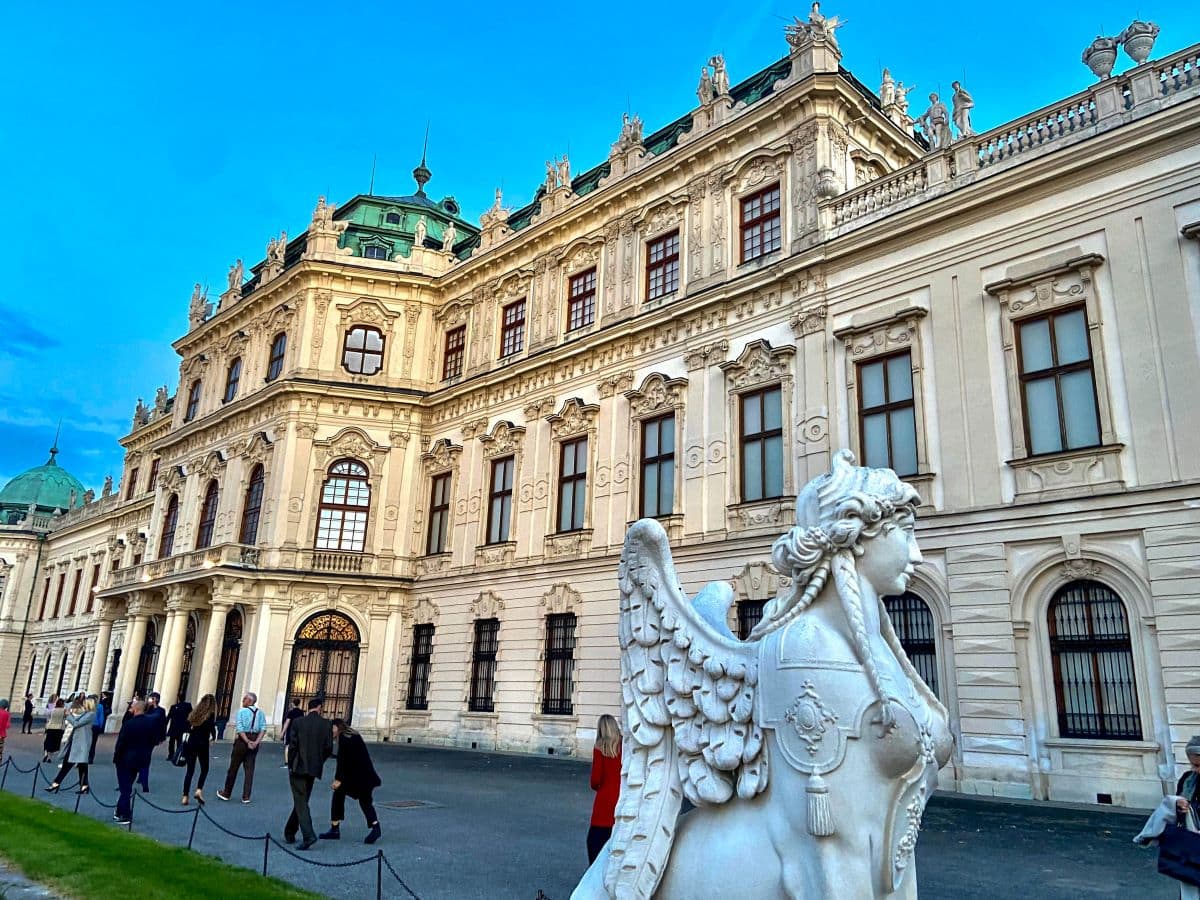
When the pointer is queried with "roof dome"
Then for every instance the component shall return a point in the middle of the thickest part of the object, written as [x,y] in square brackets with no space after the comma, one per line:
[48,486]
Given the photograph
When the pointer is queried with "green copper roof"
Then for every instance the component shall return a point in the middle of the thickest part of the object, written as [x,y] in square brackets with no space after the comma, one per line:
[48,486]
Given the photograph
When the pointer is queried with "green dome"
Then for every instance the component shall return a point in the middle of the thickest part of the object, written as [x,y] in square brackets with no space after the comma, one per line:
[49,487]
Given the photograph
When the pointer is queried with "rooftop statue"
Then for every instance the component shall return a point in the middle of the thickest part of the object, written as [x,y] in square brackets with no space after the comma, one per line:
[720,76]
[236,276]
[706,91]
[810,749]
[448,237]
[963,104]
[818,27]
[419,234]
[323,215]
[631,134]
[935,122]
[199,309]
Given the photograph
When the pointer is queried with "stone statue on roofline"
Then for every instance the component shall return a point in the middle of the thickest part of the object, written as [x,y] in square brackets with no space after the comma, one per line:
[935,122]
[706,92]
[237,274]
[199,309]
[819,27]
[720,76]
[160,400]
[419,234]
[449,235]
[108,486]
[963,104]
[631,135]
[810,749]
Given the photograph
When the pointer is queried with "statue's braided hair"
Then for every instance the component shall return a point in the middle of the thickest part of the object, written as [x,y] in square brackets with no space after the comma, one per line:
[845,576]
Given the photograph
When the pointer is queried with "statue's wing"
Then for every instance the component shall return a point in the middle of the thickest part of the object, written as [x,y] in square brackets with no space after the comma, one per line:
[688,690]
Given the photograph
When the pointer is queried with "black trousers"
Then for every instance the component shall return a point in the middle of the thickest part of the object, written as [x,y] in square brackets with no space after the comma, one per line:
[194,758]
[27,725]
[597,837]
[337,807]
[301,817]
[66,767]
[96,732]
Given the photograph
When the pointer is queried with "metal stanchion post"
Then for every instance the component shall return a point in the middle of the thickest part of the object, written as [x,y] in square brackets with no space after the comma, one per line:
[33,789]
[195,819]
[266,850]
[379,876]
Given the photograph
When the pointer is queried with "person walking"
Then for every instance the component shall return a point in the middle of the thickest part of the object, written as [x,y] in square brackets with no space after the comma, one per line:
[355,778]
[177,724]
[5,721]
[56,717]
[248,735]
[97,726]
[294,713]
[202,730]
[78,750]
[154,713]
[310,743]
[606,782]
[135,746]
[27,715]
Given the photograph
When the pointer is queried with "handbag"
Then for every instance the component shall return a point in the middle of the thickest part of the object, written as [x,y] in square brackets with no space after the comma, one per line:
[1179,854]
[180,757]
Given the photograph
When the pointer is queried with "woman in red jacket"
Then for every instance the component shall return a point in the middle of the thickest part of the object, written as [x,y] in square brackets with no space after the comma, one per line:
[606,782]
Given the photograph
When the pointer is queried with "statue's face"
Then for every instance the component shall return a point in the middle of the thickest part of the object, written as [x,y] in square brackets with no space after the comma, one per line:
[889,558]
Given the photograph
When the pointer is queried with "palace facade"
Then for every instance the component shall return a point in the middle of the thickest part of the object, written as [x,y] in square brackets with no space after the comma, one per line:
[402,456]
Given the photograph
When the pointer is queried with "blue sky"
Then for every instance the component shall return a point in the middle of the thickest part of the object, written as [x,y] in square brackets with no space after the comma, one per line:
[146,146]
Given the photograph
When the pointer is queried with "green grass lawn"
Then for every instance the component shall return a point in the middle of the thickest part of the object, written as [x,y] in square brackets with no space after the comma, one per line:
[83,858]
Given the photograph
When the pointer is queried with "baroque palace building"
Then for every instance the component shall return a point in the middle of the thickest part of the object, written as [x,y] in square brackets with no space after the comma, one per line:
[402,456]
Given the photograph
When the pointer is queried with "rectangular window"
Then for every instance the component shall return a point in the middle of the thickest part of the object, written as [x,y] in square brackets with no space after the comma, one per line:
[560,664]
[749,613]
[1058,390]
[762,445]
[439,513]
[662,266]
[500,501]
[418,667]
[658,467]
[760,223]
[152,481]
[45,598]
[581,301]
[572,484]
[91,596]
[483,665]
[452,361]
[75,591]
[58,594]
[512,329]
[362,350]
[887,414]
[132,486]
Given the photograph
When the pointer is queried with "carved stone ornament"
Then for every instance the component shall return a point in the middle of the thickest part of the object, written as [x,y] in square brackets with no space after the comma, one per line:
[575,417]
[757,173]
[584,256]
[703,707]
[708,355]
[421,611]
[505,440]
[658,393]
[210,465]
[454,313]
[561,598]
[662,217]
[809,321]
[487,605]
[441,456]
[1079,570]
[759,363]
[351,443]
[895,334]
[614,384]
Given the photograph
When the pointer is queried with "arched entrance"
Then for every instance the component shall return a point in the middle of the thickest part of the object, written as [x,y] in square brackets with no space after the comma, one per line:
[231,650]
[189,651]
[325,663]
[147,662]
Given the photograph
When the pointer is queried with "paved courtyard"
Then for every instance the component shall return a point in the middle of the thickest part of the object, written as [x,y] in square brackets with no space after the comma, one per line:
[497,826]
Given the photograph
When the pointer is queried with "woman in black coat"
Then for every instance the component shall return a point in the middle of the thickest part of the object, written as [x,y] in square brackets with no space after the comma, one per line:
[201,730]
[356,778]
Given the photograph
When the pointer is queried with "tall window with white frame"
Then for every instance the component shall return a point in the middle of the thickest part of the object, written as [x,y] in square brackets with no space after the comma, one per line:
[208,516]
[762,444]
[761,223]
[362,350]
[658,467]
[193,402]
[559,682]
[439,514]
[662,266]
[252,507]
[581,300]
[483,665]
[452,358]
[500,492]
[1058,388]
[418,667]
[887,414]
[345,508]
[512,329]
[572,484]
[166,542]
[275,360]
[233,378]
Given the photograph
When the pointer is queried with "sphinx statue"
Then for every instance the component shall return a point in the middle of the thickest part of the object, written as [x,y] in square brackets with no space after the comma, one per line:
[810,749]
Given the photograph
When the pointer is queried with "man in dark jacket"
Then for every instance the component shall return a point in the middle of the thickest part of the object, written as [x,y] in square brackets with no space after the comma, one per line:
[135,745]
[177,724]
[27,715]
[155,714]
[309,743]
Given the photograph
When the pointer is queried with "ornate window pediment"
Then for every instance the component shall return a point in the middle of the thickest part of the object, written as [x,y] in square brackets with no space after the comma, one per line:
[255,449]
[898,331]
[350,442]
[583,254]
[658,393]
[513,286]
[759,363]
[506,438]
[454,313]
[421,610]
[209,466]
[367,311]
[662,215]
[487,605]
[440,456]
[561,598]
[758,170]
[575,417]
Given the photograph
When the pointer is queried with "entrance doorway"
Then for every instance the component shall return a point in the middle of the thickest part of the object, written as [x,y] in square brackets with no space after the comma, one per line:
[325,664]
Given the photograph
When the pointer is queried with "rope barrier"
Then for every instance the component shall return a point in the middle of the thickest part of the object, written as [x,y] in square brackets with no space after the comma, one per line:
[315,862]
[396,874]
[243,837]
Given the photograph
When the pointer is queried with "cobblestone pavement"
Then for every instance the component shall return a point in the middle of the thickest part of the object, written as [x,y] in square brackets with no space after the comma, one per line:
[497,826]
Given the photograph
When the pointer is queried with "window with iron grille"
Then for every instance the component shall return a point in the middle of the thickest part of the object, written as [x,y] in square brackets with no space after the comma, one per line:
[500,500]
[362,350]
[581,300]
[658,466]
[166,542]
[662,266]
[208,516]
[418,667]
[132,486]
[1058,390]
[252,508]
[439,513]
[760,223]
[749,614]
[762,444]
[275,362]
[483,665]
[91,595]
[452,359]
[193,404]
[344,509]
[152,481]
[886,413]
[512,329]
[572,484]
[560,664]
[233,377]
[913,623]
[1092,658]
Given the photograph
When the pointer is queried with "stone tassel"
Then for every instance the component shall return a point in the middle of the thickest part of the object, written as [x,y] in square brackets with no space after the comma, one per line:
[820,813]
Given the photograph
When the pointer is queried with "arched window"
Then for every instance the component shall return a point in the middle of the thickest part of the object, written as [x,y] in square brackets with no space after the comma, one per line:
[278,349]
[208,517]
[1092,658]
[231,650]
[62,673]
[147,662]
[914,626]
[345,503]
[166,544]
[325,663]
[45,676]
[252,507]
[232,379]
[193,404]
[189,651]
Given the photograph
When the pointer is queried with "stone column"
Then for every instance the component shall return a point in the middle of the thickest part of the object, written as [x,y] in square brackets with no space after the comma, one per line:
[383,710]
[212,648]
[130,656]
[173,660]
[100,656]
[267,667]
